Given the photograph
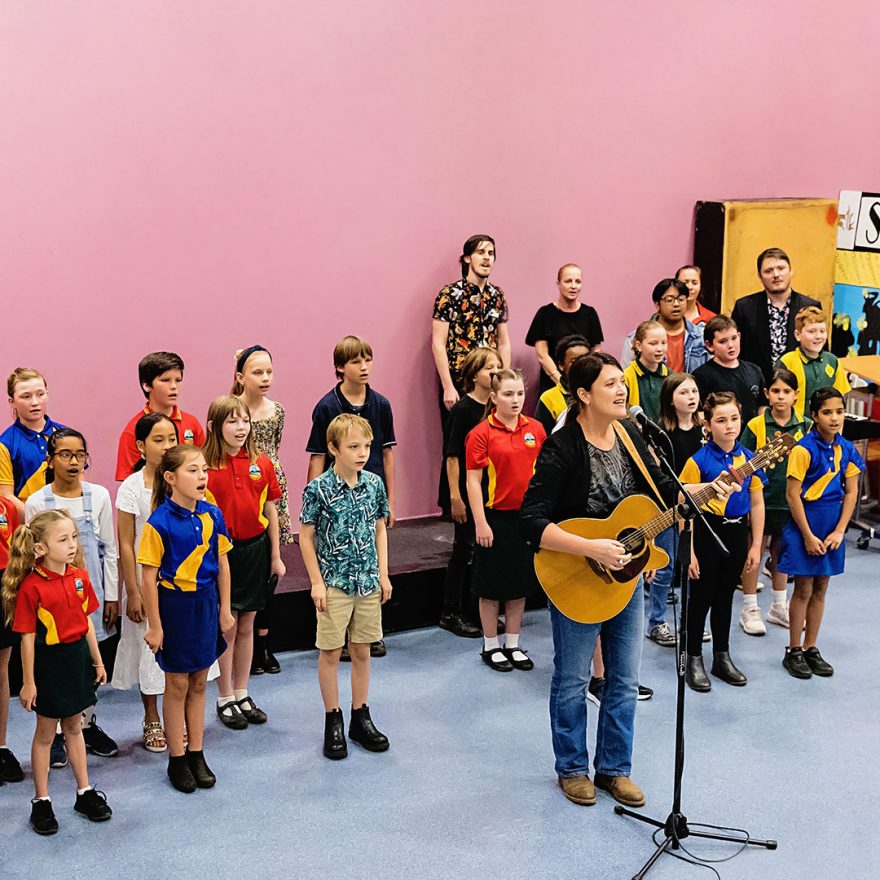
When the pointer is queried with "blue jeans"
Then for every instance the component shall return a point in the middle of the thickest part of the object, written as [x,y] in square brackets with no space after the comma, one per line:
[573,652]
[662,580]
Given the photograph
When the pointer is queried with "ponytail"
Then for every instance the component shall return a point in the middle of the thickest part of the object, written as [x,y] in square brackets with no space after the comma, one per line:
[173,459]
[497,379]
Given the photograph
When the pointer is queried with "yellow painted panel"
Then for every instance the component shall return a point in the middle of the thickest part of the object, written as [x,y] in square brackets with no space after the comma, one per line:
[806,229]
[859,268]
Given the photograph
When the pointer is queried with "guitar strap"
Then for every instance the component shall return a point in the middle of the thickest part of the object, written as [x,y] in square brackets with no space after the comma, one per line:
[630,447]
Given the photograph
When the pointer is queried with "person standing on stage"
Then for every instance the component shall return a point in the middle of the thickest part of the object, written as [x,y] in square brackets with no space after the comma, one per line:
[766,318]
[585,469]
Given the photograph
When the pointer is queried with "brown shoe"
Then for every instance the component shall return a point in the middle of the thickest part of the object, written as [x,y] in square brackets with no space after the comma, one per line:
[622,789]
[578,789]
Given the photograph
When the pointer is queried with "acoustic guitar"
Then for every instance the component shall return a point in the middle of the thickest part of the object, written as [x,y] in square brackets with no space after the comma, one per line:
[587,591]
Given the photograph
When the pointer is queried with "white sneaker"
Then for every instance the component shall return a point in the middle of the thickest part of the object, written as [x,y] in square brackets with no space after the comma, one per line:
[778,614]
[751,622]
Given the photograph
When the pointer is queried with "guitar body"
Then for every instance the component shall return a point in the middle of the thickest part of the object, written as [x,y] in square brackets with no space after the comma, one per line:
[586,591]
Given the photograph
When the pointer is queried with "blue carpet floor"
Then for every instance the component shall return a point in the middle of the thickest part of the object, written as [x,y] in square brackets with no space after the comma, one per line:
[467,789]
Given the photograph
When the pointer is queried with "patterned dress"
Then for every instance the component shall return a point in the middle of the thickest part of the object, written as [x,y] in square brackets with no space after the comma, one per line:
[267,436]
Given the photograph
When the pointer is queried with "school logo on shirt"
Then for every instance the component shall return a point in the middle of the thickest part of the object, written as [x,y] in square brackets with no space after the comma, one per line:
[529,439]
[80,586]
[254,471]
[188,436]
[4,522]
[829,370]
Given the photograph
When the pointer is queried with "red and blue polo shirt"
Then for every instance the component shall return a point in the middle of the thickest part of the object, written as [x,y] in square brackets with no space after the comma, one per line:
[55,606]
[241,489]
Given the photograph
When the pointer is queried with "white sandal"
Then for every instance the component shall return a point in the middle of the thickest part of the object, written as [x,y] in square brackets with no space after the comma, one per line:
[154,737]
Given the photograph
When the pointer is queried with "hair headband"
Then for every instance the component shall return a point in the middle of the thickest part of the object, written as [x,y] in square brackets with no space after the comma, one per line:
[242,358]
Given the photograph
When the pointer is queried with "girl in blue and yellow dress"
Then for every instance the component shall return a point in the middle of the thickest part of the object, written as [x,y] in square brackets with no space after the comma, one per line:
[738,520]
[822,488]
[185,585]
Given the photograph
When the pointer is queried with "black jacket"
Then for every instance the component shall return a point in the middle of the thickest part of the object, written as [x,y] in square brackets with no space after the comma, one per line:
[753,322]
[560,486]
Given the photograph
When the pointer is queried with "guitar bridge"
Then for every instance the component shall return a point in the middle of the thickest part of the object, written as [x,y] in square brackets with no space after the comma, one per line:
[600,570]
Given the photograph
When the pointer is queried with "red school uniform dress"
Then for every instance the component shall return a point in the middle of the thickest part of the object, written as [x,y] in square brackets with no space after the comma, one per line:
[504,571]
[56,607]
[241,489]
[8,524]
[188,431]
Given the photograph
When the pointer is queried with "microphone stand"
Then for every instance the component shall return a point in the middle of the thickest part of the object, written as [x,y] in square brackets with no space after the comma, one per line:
[675,827]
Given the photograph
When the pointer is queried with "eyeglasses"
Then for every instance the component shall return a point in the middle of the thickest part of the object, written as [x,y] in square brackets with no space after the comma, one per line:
[673,300]
[67,456]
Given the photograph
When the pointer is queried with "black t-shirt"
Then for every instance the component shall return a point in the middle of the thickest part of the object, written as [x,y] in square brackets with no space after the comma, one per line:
[684,445]
[552,324]
[463,418]
[746,381]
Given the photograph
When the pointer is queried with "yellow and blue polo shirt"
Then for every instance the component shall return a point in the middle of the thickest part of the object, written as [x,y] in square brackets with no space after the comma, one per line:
[822,467]
[643,387]
[708,463]
[23,457]
[551,405]
[814,373]
[758,431]
[185,545]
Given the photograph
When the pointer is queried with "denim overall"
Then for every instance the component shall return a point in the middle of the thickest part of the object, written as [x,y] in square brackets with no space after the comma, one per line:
[93,552]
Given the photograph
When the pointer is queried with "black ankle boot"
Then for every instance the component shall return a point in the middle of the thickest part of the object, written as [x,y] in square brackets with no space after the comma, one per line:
[695,674]
[257,663]
[335,746]
[723,668]
[200,770]
[270,663]
[363,731]
[180,775]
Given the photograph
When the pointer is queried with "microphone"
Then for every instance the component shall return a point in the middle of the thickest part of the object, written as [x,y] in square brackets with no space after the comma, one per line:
[647,426]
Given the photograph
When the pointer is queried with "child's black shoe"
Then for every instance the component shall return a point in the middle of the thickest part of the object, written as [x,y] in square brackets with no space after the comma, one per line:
[200,770]
[180,775]
[335,746]
[93,805]
[817,663]
[363,731]
[43,819]
[10,769]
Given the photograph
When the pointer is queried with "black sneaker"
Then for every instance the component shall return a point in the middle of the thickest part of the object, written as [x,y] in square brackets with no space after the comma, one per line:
[795,663]
[10,769]
[378,649]
[817,663]
[93,805]
[595,690]
[58,753]
[43,819]
[98,743]
[645,693]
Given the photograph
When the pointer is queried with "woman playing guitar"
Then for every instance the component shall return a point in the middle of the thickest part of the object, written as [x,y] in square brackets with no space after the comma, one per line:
[584,470]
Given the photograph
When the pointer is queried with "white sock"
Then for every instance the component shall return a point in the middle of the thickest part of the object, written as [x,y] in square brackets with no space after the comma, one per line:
[511,640]
[47,798]
[224,701]
[240,695]
[3,747]
[750,601]
[84,790]
[491,644]
[780,597]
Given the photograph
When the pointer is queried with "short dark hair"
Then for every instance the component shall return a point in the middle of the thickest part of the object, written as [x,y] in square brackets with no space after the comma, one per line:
[469,247]
[780,374]
[820,396]
[662,286]
[717,325]
[573,340]
[156,363]
[773,253]
[719,398]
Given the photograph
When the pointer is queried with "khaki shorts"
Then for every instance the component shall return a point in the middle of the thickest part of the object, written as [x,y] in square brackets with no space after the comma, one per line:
[361,616]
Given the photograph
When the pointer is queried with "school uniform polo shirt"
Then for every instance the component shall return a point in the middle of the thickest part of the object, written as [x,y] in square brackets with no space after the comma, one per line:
[55,606]
[507,457]
[185,545]
[813,373]
[643,387]
[23,457]
[551,405]
[375,409]
[708,463]
[758,432]
[188,431]
[241,489]
[822,467]
[8,524]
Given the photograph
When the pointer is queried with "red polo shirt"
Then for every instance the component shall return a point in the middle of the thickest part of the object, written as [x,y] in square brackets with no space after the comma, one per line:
[188,431]
[8,524]
[241,489]
[55,606]
[508,458]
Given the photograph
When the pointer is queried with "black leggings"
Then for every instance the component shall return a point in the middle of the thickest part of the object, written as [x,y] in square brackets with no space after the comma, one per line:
[713,593]
[457,594]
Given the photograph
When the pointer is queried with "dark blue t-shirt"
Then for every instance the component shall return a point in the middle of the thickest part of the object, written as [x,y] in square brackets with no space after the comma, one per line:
[376,410]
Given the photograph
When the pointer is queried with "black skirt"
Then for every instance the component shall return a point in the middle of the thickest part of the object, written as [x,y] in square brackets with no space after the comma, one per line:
[249,573]
[506,570]
[65,678]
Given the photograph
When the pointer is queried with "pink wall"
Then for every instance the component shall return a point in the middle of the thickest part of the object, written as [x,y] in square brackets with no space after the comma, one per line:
[199,176]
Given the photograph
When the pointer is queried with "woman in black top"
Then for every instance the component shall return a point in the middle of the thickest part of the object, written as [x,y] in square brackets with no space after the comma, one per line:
[565,317]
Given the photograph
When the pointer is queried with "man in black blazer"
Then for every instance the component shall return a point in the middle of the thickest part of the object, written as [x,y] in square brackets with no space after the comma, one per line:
[766,319]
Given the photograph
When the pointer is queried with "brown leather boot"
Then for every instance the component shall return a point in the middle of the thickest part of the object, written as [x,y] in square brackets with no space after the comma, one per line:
[578,789]
[621,788]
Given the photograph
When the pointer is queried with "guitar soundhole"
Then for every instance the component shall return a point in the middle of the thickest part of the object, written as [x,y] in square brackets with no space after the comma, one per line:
[640,551]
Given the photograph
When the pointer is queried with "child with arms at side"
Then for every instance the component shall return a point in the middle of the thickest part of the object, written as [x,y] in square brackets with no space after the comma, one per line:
[47,593]
[344,546]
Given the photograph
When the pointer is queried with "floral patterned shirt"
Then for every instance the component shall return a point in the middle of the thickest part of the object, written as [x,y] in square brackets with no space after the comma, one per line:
[345,518]
[473,317]
[778,320]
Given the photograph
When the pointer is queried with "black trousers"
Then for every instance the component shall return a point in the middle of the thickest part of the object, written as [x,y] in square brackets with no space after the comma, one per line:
[458,595]
[712,594]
